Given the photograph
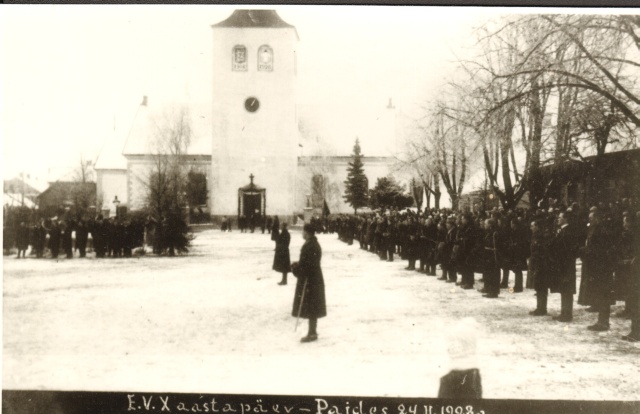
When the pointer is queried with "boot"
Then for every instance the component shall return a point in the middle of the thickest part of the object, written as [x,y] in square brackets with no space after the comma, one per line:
[312,335]
[541,308]
[518,286]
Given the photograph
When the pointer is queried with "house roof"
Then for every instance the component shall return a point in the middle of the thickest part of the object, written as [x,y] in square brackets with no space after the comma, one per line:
[67,186]
[15,186]
[15,199]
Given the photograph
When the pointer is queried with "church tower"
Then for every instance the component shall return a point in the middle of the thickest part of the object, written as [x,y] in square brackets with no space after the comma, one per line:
[255,133]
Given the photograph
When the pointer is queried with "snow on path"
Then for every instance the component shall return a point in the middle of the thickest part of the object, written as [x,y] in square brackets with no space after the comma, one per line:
[216,321]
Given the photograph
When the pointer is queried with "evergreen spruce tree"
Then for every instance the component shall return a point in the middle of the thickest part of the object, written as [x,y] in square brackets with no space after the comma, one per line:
[356,186]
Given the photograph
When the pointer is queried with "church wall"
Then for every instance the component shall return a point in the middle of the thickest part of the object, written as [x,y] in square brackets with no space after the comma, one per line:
[140,168]
[109,184]
[334,170]
[262,143]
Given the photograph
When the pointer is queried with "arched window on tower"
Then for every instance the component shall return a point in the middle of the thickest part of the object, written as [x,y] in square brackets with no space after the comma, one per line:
[265,58]
[239,58]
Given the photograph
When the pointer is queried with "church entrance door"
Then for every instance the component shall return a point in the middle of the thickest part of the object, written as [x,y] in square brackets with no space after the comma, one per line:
[251,204]
[252,200]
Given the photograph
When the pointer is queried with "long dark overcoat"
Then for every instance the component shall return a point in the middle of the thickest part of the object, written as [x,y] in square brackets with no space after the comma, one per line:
[463,246]
[518,250]
[22,237]
[562,263]
[281,259]
[538,262]
[308,270]
[275,228]
[626,264]
[596,282]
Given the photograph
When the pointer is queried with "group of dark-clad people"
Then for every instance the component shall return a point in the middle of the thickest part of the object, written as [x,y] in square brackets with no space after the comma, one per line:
[545,243]
[111,237]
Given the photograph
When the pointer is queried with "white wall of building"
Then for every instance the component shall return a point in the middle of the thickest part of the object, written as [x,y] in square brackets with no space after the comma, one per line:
[109,184]
[334,170]
[263,143]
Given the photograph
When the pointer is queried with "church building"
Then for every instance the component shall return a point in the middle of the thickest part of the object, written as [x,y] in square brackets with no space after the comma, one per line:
[246,145]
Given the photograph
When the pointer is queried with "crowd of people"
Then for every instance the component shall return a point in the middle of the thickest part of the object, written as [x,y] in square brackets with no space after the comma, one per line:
[249,224]
[544,243]
[67,237]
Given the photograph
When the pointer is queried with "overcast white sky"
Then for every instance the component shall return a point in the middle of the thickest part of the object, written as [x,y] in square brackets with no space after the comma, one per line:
[68,71]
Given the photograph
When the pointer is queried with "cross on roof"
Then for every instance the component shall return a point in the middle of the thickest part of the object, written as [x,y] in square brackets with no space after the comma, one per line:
[251,178]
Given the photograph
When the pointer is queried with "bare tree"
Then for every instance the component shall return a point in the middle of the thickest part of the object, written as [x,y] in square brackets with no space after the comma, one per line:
[167,182]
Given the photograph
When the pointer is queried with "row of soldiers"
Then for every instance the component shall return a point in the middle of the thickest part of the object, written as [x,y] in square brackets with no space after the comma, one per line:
[112,237]
[546,244]
[249,224]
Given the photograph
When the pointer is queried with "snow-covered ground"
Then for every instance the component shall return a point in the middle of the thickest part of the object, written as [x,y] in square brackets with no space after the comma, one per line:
[215,321]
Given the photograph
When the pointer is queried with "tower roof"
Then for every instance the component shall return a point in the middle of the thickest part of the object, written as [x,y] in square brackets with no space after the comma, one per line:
[254,19]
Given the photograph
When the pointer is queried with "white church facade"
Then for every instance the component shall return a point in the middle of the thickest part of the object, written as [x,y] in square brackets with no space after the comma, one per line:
[246,144]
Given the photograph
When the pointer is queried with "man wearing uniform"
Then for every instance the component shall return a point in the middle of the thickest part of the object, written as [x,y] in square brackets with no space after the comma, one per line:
[562,266]
[596,285]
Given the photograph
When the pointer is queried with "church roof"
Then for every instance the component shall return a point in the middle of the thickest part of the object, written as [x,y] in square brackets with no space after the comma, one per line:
[254,18]
[110,157]
[141,137]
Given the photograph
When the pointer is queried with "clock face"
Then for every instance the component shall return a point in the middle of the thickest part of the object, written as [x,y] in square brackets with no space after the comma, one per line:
[252,104]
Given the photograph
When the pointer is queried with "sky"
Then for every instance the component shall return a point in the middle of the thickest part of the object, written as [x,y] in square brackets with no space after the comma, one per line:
[72,74]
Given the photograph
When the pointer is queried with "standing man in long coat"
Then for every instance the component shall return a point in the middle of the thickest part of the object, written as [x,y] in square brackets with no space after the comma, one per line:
[596,287]
[281,259]
[274,229]
[22,239]
[54,239]
[82,235]
[562,266]
[538,266]
[490,262]
[309,300]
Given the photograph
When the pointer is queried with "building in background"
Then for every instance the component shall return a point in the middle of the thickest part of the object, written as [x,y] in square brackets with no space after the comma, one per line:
[256,149]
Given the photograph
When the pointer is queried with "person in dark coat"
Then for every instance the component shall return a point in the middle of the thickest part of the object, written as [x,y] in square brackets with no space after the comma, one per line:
[275,226]
[449,261]
[67,238]
[538,266]
[441,249]
[309,300]
[562,265]
[463,246]
[634,294]
[390,238]
[39,238]
[82,235]
[269,224]
[518,250]
[54,239]
[490,261]
[281,259]
[98,235]
[431,232]
[596,284]
[411,245]
[22,239]
[626,257]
